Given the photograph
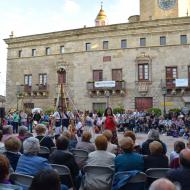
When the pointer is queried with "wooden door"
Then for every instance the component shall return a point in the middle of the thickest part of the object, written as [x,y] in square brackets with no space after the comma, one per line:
[144,103]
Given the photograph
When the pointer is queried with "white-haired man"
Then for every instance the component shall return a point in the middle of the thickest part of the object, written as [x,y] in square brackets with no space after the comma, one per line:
[29,163]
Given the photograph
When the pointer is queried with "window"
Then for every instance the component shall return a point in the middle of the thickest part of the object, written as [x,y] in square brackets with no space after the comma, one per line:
[106,58]
[142,42]
[62,49]
[143,72]
[97,75]
[117,74]
[43,79]
[88,46]
[33,52]
[183,39]
[20,53]
[123,43]
[171,75]
[162,40]
[28,80]
[105,44]
[99,106]
[100,23]
[28,106]
[48,51]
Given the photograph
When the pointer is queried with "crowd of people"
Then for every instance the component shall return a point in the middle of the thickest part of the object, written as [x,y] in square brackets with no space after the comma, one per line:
[22,135]
[171,124]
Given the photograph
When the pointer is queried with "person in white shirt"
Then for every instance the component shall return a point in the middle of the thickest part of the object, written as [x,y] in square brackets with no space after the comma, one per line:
[58,121]
[101,157]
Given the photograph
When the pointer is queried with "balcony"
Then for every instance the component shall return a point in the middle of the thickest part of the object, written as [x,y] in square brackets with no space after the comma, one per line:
[118,90]
[173,90]
[27,88]
[24,90]
[40,90]
[37,91]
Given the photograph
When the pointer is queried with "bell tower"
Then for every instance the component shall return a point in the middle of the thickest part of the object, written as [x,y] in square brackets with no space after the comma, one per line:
[161,9]
[101,18]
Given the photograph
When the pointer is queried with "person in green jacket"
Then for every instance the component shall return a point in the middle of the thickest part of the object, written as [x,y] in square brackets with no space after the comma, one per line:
[16,120]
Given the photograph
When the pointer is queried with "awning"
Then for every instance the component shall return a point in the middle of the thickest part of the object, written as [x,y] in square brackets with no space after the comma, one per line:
[186,98]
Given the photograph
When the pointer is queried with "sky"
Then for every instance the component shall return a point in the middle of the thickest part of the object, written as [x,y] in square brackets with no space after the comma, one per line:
[28,17]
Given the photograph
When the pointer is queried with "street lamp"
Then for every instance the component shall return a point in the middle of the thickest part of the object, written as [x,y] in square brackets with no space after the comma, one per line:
[164,92]
[107,94]
[17,94]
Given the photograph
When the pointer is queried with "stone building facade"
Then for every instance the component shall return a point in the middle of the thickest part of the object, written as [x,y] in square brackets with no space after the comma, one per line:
[144,57]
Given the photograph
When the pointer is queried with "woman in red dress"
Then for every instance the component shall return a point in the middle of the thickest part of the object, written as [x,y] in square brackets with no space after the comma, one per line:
[111,124]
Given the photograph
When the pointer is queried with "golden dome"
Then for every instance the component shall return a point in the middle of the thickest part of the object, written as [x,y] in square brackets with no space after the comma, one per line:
[101,15]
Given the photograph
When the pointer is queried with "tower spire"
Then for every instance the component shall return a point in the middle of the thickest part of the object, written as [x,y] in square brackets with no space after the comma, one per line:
[102,4]
[101,18]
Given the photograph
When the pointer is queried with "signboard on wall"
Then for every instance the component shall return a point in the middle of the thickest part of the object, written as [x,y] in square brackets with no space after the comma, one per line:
[104,84]
[181,82]
[167,103]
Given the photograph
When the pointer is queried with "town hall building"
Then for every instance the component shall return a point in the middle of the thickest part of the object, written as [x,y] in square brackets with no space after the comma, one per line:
[137,65]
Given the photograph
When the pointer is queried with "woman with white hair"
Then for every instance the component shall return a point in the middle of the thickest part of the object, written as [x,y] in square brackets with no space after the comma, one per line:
[29,163]
[153,135]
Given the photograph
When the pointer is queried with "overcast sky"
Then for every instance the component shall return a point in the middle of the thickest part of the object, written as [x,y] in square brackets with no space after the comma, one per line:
[26,17]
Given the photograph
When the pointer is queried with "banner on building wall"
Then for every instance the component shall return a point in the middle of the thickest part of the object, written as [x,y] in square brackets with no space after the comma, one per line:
[181,82]
[167,103]
[105,84]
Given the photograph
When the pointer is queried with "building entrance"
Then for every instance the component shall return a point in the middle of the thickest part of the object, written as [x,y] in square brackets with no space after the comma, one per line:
[143,103]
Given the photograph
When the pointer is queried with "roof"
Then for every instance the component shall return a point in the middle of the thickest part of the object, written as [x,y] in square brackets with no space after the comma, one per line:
[167,23]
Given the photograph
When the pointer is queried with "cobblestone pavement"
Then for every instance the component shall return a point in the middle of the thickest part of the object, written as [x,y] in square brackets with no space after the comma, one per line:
[168,140]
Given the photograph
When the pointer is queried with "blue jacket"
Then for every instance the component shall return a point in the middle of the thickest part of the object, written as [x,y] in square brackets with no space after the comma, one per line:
[128,162]
[121,178]
[31,165]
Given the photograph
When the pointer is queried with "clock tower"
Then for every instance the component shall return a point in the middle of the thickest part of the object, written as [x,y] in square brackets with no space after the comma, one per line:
[160,9]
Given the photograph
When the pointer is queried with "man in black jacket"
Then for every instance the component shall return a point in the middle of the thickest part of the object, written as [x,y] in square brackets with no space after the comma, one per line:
[182,174]
[62,156]
[153,135]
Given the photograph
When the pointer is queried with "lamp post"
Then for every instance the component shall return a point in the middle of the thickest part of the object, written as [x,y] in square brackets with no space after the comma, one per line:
[107,98]
[17,102]
[164,92]
[17,94]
